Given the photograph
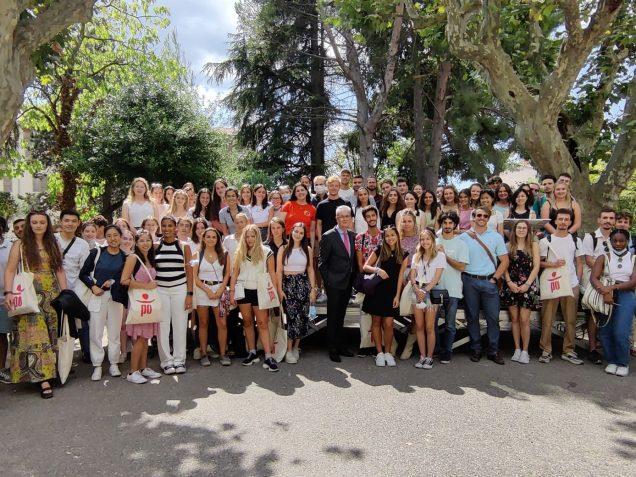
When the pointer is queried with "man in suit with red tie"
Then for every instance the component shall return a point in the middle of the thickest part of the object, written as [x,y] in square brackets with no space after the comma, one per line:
[337,265]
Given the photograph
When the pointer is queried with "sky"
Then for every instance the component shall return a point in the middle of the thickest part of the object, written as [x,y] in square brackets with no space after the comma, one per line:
[202,28]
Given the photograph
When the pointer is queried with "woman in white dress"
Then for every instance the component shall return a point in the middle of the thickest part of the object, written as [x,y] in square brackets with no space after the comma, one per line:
[138,205]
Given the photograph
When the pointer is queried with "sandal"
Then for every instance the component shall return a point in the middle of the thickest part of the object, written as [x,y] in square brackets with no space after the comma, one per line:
[47,392]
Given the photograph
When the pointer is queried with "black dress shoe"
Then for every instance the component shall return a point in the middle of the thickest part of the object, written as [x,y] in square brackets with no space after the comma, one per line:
[346,353]
[334,356]
[496,358]
[476,356]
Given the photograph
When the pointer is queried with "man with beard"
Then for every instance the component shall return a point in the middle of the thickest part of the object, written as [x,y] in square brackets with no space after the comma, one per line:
[457,258]
[372,187]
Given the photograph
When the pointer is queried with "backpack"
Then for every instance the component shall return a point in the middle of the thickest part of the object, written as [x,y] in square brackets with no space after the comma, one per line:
[574,238]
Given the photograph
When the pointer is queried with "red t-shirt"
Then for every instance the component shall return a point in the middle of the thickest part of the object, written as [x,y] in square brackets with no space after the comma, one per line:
[298,213]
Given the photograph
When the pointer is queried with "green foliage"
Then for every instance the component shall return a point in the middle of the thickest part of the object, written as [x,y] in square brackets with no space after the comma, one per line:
[8,205]
[149,130]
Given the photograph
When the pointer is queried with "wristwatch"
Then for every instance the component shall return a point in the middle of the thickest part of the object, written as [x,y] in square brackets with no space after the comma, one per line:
[190,293]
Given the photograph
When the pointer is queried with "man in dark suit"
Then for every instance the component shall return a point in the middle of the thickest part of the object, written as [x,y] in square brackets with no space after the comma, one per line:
[337,265]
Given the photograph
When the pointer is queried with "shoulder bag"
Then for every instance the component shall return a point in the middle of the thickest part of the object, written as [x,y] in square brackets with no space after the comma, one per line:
[23,297]
[490,255]
[144,306]
[81,290]
[555,282]
[266,292]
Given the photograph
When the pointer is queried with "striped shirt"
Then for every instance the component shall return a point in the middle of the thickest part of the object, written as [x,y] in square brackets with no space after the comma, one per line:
[170,265]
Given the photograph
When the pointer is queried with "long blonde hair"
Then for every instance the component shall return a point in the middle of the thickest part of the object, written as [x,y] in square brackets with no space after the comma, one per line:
[173,203]
[131,189]
[409,213]
[243,251]
[420,253]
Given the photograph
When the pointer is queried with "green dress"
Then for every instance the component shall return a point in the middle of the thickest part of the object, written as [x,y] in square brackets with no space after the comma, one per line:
[34,337]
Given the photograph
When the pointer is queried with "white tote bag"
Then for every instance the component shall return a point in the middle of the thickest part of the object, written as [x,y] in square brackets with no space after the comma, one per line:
[65,348]
[82,291]
[278,332]
[24,298]
[266,291]
[406,300]
[555,282]
[366,337]
[144,306]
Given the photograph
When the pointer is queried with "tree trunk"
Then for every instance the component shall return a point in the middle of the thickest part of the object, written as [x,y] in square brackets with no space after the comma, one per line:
[318,97]
[366,152]
[19,39]
[439,120]
[69,191]
[420,162]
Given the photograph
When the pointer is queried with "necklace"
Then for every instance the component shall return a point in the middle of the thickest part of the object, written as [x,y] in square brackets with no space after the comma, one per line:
[620,257]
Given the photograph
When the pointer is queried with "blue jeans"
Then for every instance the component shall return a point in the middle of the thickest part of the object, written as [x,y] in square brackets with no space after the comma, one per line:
[450,313]
[482,294]
[615,335]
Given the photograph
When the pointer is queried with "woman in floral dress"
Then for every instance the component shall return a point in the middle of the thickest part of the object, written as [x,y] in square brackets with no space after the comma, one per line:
[34,338]
[520,293]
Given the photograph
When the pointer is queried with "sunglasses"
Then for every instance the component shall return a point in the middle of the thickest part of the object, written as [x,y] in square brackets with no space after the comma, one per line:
[479,216]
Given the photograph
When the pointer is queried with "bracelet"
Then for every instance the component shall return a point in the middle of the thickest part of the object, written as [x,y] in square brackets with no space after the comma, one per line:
[190,293]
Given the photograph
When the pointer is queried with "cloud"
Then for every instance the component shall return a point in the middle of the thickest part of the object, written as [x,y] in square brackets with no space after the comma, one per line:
[202,28]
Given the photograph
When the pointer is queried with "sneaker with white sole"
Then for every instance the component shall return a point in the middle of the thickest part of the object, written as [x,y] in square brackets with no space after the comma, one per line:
[270,365]
[572,358]
[205,361]
[611,369]
[5,376]
[196,354]
[168,369]
[114,371]
[290,357]
[516,355]
[420,363]
[524,357]
[225,361]
[321,298]
[180,369]
[97,373]
[428,363]
[389,359]
[250,359]
[150,373]
[136,378]
[379,360]
[545,357]
[622,371]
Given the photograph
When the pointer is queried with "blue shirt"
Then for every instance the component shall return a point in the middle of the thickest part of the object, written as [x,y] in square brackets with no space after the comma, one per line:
[479,262]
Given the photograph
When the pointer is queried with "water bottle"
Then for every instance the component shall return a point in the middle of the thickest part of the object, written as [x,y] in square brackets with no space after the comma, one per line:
[313,314]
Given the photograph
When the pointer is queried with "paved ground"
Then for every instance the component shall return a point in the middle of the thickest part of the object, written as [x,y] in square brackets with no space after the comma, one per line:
[319,419]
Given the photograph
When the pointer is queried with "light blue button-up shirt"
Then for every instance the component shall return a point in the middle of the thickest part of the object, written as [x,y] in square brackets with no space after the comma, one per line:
[479,262]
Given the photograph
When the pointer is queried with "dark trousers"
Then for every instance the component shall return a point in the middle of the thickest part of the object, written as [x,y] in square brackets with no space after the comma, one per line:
[337,301]
[84,340]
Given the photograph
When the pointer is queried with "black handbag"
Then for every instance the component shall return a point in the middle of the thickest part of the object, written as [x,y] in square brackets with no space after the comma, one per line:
[368,283]
[438,296]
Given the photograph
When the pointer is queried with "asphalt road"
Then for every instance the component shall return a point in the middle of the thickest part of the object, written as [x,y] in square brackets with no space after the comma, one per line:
[315,418]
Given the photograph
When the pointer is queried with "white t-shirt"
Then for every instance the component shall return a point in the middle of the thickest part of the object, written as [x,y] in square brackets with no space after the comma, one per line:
[426,270]
[495,219]
[74,259]
[565,248]
[451,280]
[230,244]
[346,194]
[259,214]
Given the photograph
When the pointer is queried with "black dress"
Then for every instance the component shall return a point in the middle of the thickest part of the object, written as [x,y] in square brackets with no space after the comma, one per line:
[387,220]
[516,215]
[380,302]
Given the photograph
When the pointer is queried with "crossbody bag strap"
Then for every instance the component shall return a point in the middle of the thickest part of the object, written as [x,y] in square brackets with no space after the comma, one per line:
[68,247]
[143,265]
[485,247]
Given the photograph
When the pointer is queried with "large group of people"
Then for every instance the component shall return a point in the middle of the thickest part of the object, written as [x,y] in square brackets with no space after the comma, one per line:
[223,262]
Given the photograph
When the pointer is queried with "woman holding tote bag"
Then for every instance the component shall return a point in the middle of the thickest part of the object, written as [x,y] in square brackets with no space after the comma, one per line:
[250,261]
[139,273]
[34,341]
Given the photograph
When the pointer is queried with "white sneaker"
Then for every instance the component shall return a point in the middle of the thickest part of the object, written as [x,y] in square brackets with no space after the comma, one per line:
[168,369]
[150,373]
[611,369]
[290,358]
[180,369]
[114,371]
[136,378]
[524,357]
[420,363]
[389,359]
[516,355]
[572,358]
[97,373]
[196,354]
[622,371]
[428,363]
[296,352]
[379,360]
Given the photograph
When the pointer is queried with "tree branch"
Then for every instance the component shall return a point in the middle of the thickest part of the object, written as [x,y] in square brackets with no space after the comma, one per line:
[575,50]
[40,29]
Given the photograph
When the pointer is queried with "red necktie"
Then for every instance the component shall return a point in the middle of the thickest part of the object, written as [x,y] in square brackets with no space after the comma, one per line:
[345,239]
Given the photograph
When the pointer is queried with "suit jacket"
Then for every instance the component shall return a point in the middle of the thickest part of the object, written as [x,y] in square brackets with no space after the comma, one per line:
[336,266]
